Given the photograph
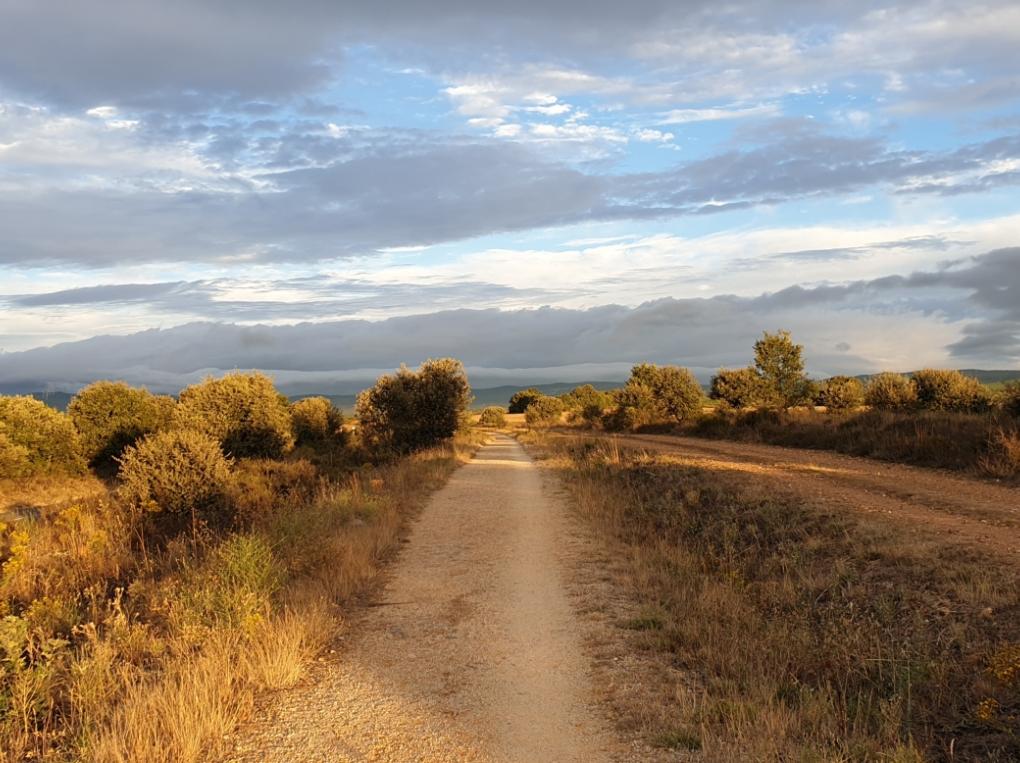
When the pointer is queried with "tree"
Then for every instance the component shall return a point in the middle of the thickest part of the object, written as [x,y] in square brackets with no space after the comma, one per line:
[411,410]
[111,415]
[841,393]
[520,401]
[780,364]
[544,412]
[890,391]
[655,393]
[587,402]
[737,387]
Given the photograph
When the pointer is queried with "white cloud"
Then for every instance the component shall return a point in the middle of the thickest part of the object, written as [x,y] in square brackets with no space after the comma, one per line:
[653,136]
[685,116]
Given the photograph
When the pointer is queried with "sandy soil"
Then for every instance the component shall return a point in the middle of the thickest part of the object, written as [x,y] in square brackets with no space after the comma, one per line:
[474,651]
[959,509]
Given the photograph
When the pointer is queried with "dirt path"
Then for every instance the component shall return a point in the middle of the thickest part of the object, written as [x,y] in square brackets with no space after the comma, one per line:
[968,511]
[473,653]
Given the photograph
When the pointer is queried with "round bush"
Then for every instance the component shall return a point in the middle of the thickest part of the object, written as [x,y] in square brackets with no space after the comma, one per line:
[544,412]
[316,421]
[180,474]
[947,390]
[1009,398]
[737,387]
[520,401]
[841,393]
[36,439]
[109,416]
[890,391]
[243,412]
[493,416]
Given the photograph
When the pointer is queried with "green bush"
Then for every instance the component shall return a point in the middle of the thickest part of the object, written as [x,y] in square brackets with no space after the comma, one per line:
[178,476]
[492,416]
[780,364]
[411,410]
[656,394]
[890,391]
[544,412]
[948,390]
[520,401]
[317,422]
[841,393]
[36,439]
[110,415]
[243,412]
[737,387]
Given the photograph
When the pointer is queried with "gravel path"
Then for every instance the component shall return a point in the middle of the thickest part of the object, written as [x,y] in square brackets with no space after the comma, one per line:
[473,652]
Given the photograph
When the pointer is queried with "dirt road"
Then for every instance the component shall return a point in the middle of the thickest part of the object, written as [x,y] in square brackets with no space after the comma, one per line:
[964,510]
[473,652]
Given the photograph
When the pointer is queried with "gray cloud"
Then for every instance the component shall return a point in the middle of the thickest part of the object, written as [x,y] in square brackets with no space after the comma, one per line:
[983,292]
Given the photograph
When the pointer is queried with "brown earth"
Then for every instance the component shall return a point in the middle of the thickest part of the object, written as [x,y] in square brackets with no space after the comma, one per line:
[474,650]
[959,509]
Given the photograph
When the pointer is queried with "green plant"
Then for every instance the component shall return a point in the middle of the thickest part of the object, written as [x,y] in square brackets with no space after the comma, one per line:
[316,422]
[110,415]
[177,475]
[492,416]
[841,393]
[780,364]
[412,410]
[544,412]
[520,401]
[35,439]
[737,387]
[242,411]
[948,390]
[890,391]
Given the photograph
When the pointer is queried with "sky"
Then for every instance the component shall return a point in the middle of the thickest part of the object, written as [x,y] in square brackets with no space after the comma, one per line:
[550,191]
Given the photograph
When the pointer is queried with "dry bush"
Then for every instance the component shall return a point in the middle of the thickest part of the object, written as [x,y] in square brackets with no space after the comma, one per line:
[841,393]
[243,412]
[520,400]
[1002,457]
[36,439]
[261,487]
[890,391]
[492,416]
[946,390]
[802,635]
[110,416]
[1009,399]
[544,412]
[180,478]
[317,422]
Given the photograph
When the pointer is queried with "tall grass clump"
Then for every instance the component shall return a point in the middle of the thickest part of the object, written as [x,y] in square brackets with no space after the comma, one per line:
[110,416]
[244,412]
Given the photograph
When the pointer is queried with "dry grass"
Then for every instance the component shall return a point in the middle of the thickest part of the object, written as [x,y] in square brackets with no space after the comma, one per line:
[109,653]
[796,634]
[42,492]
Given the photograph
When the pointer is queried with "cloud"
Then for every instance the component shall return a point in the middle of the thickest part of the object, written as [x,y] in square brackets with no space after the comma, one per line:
[967,311]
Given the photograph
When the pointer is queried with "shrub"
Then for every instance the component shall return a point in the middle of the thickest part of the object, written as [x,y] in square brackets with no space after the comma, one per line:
[493,416]
[657,393]
[411,410]
[244,413]
[317,422]
[35,438]
[780,364]
[109,416]
[544,412]
[1009,398]
[890,391]
[947,390]
[635,406]
[261,487]
[841,393]
[1002,457]
[737,387]
[177,475]
[520,401]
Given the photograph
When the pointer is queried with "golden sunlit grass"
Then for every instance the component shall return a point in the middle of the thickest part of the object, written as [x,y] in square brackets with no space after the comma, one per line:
[120,654]
[795,633]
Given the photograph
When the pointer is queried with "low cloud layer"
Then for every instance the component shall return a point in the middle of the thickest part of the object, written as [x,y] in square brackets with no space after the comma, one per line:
[970,306]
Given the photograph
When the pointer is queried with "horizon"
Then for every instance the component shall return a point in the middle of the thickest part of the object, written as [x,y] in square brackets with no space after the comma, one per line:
[550,192]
